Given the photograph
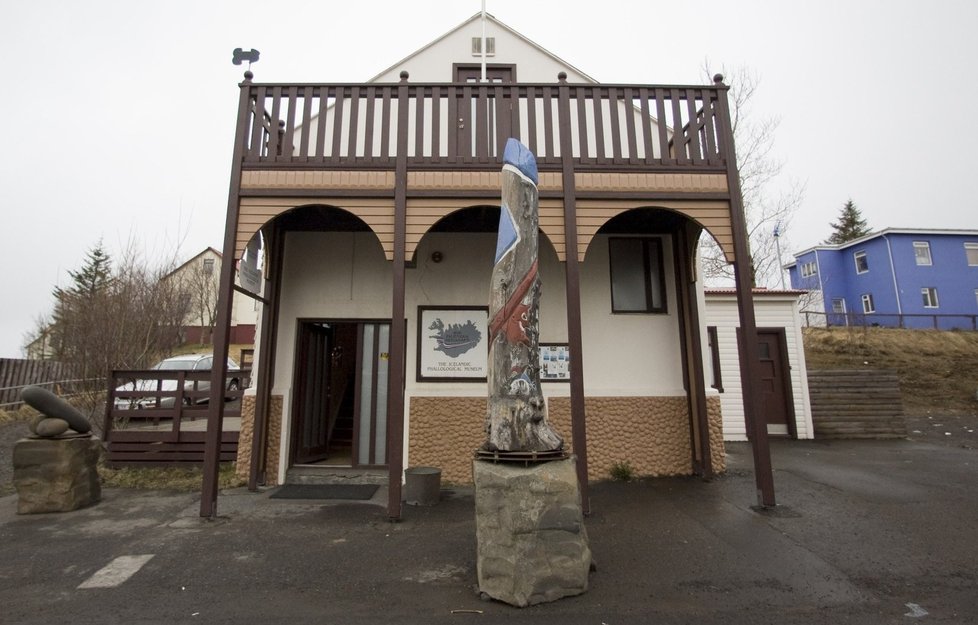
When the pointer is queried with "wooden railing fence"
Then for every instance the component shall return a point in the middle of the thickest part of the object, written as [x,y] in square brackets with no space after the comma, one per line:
[459,125]
[16,374]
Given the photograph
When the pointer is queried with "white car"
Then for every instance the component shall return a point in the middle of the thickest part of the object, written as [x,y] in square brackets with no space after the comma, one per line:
[189,362]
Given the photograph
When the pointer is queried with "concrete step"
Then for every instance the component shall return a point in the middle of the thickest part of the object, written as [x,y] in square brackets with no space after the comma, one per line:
[324,474]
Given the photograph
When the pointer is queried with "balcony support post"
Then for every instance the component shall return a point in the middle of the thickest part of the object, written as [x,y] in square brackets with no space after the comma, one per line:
[573,281]
[267,344]
[395,389]
[222,326]
[750,354]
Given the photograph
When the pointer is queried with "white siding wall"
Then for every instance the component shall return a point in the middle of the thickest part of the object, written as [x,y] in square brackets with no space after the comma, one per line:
[771,311]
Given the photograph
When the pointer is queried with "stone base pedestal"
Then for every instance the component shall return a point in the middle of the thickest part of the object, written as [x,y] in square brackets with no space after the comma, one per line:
[56,474]
[532,545]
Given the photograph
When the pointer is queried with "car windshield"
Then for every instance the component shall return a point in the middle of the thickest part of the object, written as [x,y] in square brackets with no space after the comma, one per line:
[174,365]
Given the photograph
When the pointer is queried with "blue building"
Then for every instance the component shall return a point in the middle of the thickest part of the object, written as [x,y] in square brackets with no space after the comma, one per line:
[895,277]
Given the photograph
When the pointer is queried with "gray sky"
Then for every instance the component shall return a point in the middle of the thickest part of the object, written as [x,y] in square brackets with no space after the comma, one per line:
[118,117]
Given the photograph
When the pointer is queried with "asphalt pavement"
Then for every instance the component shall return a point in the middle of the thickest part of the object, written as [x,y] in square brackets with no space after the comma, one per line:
[865,532]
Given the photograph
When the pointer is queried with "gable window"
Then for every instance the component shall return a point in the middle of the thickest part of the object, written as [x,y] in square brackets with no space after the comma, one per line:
[929,295]
[477,46]
[862,263]
[208,266]
[921,253]
[808,269]
[868,306]
[971,251]
[638,283]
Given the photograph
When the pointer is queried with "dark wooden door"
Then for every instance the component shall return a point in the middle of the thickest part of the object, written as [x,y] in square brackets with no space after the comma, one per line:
[777,406]
[478,115]
[311,405]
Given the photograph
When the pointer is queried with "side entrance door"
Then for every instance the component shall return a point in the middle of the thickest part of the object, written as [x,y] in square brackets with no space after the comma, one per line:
[340,393]
[476,118]
[777,404]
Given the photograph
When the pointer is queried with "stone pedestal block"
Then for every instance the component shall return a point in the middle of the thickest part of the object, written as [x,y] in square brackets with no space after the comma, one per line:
[532,544]
[56,474]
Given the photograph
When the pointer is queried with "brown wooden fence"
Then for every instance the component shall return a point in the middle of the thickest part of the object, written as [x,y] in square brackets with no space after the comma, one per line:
[863,403]
[157,417]
[17,373]
[465,125]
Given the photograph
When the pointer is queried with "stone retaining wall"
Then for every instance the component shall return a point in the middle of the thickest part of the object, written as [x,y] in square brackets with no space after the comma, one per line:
[650,433]
[246,436]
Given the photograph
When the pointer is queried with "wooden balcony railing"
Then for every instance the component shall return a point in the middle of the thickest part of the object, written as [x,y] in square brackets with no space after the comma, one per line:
[465,125]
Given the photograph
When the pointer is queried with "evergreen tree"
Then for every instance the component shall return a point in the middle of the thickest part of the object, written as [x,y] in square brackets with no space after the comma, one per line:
[849,226]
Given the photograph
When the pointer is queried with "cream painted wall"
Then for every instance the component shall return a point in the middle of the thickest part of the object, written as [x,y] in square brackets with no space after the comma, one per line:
[431,64]
[334,275]
[628,354]
[771,311]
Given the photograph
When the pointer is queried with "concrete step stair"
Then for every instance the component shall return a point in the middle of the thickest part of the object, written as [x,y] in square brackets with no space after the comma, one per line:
[325,474]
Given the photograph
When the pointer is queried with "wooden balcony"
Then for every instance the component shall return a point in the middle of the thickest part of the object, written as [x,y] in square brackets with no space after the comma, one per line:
[464,126]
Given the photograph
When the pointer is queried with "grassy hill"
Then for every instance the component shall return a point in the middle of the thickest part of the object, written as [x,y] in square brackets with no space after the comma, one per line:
[938,370]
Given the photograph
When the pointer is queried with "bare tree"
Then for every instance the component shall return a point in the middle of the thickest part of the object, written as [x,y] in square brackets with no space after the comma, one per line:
[114,315]
[768,215]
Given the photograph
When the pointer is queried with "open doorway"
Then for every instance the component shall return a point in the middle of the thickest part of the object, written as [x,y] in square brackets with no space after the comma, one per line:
[340,400]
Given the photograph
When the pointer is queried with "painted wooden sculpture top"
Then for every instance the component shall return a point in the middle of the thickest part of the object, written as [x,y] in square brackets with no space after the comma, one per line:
[516,416]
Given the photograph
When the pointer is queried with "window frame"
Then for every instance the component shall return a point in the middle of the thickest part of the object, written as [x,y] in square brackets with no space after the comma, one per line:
[867,298]
[650,308]
[861,255]
[808,269]
[922,245]
[929,296]
[970,246]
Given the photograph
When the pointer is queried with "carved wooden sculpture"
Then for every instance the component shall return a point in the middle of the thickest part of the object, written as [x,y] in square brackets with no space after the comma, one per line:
[516,417]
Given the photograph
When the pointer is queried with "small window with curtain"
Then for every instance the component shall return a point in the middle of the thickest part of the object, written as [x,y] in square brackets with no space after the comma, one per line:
[921,253]
[868,305]
[971,253]
[638,283]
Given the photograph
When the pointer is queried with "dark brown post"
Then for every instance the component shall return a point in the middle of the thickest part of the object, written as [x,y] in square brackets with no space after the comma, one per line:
[395,389]
[222,326]
[684,240]
[573,280]
[267,342]
[750,357]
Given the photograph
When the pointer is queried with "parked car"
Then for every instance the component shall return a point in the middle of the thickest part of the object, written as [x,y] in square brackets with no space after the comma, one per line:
[188,362]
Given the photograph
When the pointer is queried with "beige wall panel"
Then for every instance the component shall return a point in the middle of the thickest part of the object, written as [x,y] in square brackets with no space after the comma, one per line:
[636,182]
[303,179]
[378,213]
[592,214]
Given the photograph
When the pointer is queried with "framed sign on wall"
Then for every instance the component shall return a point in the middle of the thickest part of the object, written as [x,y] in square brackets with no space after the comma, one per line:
[554,362]
[453,343]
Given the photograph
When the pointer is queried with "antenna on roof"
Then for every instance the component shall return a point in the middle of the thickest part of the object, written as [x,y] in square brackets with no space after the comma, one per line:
[240,55]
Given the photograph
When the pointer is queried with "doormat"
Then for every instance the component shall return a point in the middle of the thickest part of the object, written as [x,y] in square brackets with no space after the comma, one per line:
[325,491]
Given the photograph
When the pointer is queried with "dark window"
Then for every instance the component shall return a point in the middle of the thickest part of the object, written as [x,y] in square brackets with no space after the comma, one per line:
[862,263]
[711,332]
[638,282]
[208,266]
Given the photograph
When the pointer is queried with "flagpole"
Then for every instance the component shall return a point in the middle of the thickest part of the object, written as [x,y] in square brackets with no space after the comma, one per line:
[483,46]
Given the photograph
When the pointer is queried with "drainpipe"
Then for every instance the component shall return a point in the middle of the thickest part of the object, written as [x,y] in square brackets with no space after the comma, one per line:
[896,288]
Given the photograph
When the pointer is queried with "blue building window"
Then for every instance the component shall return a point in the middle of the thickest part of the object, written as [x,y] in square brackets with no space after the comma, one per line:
[862,263]
[929,295]
[868,306]
[971,251]
[921,253]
